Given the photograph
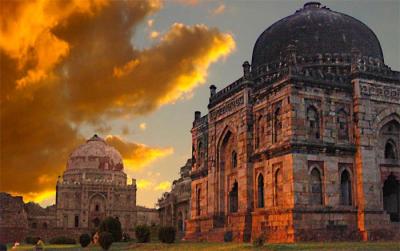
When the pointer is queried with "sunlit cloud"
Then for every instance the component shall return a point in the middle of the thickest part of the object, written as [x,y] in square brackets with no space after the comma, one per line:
[187,2]
[143,126]
[144,184]
[93,75]
[219,9]
[137,156]
[154,34]
[150,23]
[163,186]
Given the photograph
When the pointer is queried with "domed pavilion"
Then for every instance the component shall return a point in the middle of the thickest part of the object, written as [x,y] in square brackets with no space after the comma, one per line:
[93,187]
[306,144]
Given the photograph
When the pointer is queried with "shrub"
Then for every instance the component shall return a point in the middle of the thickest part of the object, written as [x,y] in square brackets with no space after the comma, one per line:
[166,234]
[142,233]
[259,241]
[125,237]
[31,240]
[3,247]
[113,226]
[84,240]
[62,240]
[228,236]
[105,240]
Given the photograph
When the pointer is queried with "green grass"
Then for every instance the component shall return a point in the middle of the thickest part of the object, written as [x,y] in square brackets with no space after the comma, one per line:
[205,246]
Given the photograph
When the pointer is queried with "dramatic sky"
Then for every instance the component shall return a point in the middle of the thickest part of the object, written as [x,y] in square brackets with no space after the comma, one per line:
[133,72]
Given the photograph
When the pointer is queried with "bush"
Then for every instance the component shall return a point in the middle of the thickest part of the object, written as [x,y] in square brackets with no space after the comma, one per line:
[105,240]
[259,241]
[3,247]
[125,237]
[166,234]
[31,240]
[228,236]
[62,240]
[113,226]
[142,233]
[84,240]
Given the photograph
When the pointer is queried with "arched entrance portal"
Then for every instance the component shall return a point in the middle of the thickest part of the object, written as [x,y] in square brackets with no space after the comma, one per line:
[233,198]
[391,200]
[227,160]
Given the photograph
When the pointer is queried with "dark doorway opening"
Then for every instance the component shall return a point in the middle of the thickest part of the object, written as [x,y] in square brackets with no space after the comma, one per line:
[391,198]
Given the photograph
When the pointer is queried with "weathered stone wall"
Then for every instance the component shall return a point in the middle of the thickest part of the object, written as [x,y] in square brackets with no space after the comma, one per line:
[13,218]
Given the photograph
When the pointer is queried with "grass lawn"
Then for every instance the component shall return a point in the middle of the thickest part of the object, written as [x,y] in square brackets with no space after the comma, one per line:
[204,246]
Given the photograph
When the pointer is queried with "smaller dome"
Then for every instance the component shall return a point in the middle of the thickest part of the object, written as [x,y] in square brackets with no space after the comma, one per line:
[95,154]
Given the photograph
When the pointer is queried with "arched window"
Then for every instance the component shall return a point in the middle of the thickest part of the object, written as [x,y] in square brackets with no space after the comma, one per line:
[259,132]
[316,187]
[345,189]
[45,225]
[278,188]
[260,191]
[34,225]
[76,221]
[342,124]
[390,150]
[198,194]
[200,153]
[277,125]
[233,198]
[234,159]
[313,123]
[97,208]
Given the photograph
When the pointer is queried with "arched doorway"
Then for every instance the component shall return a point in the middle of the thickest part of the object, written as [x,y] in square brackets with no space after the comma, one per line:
[345,189]
[233,198]
[226,151]
[260,191]
[97,210]
[181,226]
[391,200]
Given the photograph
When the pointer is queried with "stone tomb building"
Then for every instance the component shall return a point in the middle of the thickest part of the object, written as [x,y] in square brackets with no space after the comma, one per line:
[93,187]
[173,206]
[306,145]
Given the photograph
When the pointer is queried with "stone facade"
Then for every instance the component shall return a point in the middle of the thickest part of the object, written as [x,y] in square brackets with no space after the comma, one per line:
[13,218]
[147,216]
[304,146]
[173,207]
[93,186]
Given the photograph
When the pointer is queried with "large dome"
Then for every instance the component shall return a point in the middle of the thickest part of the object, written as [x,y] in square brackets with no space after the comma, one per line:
[312,30]
[95,154]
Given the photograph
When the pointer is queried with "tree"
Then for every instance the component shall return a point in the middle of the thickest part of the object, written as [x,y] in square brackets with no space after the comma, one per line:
[105,240]
[84,240]
[113,226]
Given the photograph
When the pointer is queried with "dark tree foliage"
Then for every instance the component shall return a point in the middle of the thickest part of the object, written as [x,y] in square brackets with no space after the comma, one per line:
[113,226]
[105,240]
[166,234]
[142,233]
[228,236]
[31,240]
[84,240]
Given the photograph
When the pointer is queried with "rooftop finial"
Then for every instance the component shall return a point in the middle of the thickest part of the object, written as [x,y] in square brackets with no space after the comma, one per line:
[313,4]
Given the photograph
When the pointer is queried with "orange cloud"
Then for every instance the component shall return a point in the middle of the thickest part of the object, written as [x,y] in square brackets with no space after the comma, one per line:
[65,64]
[137,156]
[219,9]
[154,34]
[163,186]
